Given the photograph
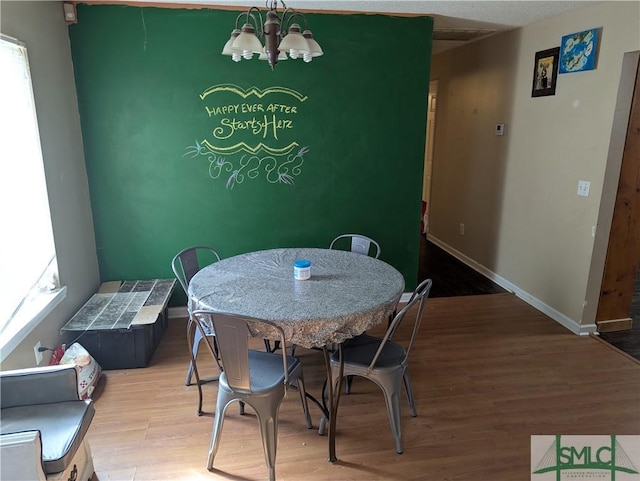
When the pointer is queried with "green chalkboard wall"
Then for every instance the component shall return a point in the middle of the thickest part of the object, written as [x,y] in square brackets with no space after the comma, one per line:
[184,146]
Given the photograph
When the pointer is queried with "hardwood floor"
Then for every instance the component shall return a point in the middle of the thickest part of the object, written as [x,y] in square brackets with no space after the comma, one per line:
[450,276]
[453,278]
[488,372]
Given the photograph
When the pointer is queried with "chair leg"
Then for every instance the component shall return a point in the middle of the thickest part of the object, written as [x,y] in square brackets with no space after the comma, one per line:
[323,419]
[392,399]
[303,400]
[347,384]
[187,381]
[268,419]
[268,348]
[269,433]
[408,390]
[221,406]
[323,425]
[211,344]
[196,337]
[190,340]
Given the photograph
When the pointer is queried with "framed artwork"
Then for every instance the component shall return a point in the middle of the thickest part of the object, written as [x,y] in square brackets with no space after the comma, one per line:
[545,69]
[578,51]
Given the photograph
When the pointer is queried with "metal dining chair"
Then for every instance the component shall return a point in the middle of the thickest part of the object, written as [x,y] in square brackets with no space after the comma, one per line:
[257,378]
[185,265]
[384,361]
[359,244]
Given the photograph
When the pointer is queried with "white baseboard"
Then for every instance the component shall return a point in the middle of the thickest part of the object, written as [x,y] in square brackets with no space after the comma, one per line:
[571,324]
[405,297]
[176,312]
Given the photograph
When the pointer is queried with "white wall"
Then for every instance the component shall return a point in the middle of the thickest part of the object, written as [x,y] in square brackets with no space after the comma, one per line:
[516,195]
[42,27]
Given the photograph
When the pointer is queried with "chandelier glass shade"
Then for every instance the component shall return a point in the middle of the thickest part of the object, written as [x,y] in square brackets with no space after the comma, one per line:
[273,37]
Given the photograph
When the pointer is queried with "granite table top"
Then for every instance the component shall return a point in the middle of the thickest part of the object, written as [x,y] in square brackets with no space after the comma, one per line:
[347,293]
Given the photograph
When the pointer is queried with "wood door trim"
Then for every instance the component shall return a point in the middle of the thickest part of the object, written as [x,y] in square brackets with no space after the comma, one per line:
[623,251]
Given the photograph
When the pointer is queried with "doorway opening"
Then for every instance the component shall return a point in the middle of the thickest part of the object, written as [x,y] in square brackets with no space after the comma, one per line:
[450,276]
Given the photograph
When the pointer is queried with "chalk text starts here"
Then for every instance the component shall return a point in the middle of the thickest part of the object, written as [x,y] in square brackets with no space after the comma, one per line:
[266,120]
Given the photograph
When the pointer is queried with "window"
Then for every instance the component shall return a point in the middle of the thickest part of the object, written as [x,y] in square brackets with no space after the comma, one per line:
[29,280]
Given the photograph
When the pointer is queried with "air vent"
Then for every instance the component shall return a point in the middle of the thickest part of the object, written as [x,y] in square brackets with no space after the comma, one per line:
[460,34]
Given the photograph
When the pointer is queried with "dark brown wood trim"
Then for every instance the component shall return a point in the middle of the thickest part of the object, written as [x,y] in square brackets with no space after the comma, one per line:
[614,325]
[623,252]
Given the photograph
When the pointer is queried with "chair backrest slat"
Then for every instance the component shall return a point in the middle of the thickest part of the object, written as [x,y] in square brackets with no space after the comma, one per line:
[419,296]
[185,264]
[360,244]
[233,338]
[190,265]
[233,333]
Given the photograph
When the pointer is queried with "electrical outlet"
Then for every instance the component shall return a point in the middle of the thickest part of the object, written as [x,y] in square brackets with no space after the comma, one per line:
[38,353]
[461,229]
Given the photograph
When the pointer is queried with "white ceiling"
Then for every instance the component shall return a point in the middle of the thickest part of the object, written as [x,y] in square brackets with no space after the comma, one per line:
[448,14]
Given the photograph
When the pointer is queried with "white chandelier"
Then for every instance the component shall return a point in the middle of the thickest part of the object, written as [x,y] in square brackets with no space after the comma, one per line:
[296,43]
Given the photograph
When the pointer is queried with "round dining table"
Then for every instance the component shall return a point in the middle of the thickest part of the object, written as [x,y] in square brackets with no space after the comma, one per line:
[346,294]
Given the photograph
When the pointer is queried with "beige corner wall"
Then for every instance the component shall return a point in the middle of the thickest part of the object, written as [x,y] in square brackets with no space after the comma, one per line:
[525,225]
[42,27]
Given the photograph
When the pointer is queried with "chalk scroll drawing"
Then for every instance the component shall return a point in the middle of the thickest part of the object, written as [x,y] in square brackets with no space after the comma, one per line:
[252,136]
[276,169]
